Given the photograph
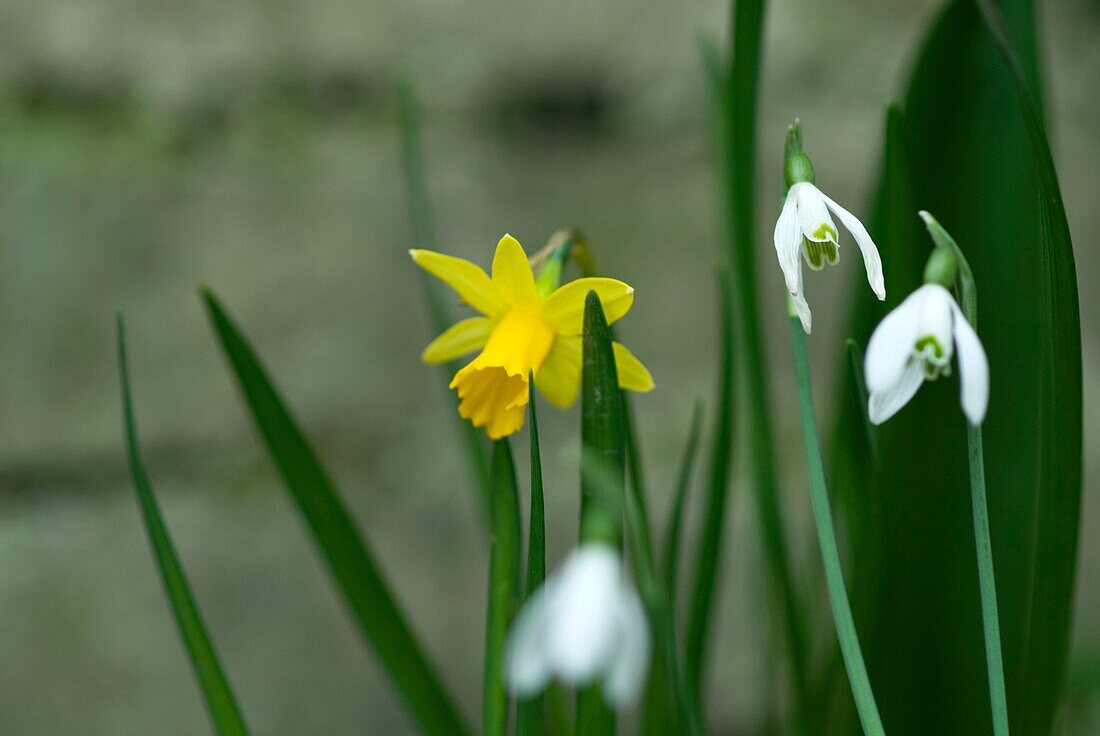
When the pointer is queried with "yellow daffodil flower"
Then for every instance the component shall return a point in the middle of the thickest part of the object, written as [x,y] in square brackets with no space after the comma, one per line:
[520,333]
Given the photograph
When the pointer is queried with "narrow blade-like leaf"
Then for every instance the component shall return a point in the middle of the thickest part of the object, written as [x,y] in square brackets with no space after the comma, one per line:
[531,713]
[423,232]
[220,703]
[349,560]
[504,553]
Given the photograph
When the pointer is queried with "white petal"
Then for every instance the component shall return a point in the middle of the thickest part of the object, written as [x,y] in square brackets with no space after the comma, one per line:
[802,309]
[871,260]
[892,342]
[526,666]
[813,215]
[973,369]
[630,666]
[788,242]
[887,402]
[936,319]
[582,636]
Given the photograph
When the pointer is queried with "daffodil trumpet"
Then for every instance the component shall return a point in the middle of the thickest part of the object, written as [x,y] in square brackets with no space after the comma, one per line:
[520,333]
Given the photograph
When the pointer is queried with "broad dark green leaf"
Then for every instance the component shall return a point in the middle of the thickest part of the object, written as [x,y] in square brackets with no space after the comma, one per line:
[220,703]
[423,232]
[985,173]
[531,713]
[504,590]
[349,560]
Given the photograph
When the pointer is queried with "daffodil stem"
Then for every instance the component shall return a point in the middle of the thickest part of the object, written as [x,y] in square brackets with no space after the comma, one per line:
[987,583]
[826,537]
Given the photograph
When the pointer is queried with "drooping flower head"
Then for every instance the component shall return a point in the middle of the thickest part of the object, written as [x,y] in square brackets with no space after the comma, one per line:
[805,230]
[520,332]
[586,624]
[914,344]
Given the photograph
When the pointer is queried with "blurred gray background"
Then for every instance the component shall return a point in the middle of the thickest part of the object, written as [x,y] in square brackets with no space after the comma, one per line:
[149,147]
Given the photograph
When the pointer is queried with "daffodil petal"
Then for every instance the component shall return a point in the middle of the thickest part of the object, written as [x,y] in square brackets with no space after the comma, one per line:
[467,279]
[559,378]
[564,309]
[512,275]
[458,340]
[633,376]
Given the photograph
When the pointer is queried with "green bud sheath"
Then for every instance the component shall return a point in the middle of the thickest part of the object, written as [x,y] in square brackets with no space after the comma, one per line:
[941,268]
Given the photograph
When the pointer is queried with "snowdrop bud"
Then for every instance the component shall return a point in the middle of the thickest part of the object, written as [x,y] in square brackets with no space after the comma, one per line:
[941,268]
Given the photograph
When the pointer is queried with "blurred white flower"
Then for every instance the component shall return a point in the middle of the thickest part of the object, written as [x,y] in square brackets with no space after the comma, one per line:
[914,343]
[585,624]
[806,230]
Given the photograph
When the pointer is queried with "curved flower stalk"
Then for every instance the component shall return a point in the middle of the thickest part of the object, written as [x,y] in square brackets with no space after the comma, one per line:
[520,333]
[805,230]
[914,344]
[586,624]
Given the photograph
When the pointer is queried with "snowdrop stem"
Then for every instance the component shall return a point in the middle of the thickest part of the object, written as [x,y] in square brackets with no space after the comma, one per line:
[986,582]
[826,536]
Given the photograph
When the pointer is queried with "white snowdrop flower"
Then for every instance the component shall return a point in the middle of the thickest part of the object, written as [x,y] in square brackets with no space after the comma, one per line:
[805,230]
[914,344]
[586,624]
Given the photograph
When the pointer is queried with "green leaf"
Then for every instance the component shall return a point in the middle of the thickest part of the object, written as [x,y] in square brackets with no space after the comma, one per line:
[985,172]
[1057,517]
[348,558]
[531,713]
[504,590]
[220,704]
[602,439]
[679,498]
[423,231]
[657,718]
[710,541]
[737,96]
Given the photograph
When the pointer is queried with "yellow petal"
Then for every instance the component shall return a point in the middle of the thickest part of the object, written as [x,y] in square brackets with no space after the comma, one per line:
[512,275]
[564,309]
[632,374]
[471,283]
[559,378]
[457,340]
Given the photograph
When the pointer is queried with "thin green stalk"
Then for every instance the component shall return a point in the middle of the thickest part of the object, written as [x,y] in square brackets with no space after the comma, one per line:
[986,582]
[423,231]
[531,713]
[679,497]
[737,102]
[826,537]
[504,588]
[218,696]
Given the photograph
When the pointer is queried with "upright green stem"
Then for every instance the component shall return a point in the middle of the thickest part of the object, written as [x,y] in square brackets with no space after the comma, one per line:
[826,537]
[986,582]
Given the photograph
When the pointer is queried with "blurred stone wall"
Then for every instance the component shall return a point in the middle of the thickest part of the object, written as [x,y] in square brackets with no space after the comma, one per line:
[149,147]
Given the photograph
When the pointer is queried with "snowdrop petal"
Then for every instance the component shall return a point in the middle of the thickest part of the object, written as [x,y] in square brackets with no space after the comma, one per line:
[889,400]
[788,243]
[582,636]
[891,344]
[813,215]
[631,664]
[973,369]
[871,260]
[526,667]
[802,309]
